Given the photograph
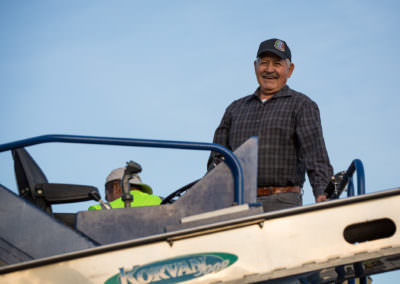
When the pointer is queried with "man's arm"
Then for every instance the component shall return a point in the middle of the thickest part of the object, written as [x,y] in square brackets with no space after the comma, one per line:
[313,149]
[221,137]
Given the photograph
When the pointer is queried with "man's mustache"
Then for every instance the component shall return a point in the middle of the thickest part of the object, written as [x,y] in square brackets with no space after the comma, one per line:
[271,75]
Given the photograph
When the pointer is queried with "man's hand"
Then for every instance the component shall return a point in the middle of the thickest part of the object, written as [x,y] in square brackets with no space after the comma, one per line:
[321,198]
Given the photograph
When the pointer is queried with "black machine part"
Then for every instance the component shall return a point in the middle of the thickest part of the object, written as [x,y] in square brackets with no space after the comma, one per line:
[131,169]
[337,184]
[56,193]
[178,193]
[34,186]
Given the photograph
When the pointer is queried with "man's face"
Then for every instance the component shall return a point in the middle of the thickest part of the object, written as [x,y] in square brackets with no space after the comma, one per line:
[272,73]
[113,190]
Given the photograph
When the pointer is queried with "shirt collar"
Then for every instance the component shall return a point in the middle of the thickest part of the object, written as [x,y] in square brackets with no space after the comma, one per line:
[284,92]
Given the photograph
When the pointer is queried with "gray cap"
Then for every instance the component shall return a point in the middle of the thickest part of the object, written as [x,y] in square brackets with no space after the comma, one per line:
[118,173]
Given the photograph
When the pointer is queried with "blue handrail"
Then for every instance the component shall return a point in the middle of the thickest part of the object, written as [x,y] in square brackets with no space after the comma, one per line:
[230,158]
[356,166]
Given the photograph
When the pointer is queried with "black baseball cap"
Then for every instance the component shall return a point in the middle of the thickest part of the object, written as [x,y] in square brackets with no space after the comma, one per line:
[275,46]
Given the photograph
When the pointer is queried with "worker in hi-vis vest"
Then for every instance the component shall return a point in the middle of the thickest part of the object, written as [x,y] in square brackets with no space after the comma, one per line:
[142,193]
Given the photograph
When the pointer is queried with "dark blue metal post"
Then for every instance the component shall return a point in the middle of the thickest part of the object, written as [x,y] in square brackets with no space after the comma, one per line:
[350,187]
[360,176]
[230,158]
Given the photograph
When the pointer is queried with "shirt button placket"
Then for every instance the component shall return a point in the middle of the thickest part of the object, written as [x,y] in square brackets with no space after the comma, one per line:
[259,114]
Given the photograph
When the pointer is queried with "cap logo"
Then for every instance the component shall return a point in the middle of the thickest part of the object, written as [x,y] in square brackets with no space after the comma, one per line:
[279,45]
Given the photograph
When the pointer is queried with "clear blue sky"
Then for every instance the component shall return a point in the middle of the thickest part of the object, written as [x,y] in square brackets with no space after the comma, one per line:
[167,70]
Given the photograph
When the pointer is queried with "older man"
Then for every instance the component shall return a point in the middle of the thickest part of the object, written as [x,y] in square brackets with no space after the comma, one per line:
[288,126]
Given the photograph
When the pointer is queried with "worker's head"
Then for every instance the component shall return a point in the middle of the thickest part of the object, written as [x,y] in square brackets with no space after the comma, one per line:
[113,186]
[273,66]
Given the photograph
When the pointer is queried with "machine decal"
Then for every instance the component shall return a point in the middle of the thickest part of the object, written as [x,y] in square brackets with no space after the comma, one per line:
[174,270]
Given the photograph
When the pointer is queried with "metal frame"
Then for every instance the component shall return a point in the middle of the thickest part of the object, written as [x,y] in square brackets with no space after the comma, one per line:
[230,159]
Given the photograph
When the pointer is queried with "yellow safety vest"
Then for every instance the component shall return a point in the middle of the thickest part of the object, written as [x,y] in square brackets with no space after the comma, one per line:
[139,199]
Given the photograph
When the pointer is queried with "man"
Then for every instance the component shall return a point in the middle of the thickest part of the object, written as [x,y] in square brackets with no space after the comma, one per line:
[142,193]
[288,126]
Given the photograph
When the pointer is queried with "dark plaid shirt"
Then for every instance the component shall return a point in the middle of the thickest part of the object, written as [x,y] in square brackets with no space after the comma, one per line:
[290,136]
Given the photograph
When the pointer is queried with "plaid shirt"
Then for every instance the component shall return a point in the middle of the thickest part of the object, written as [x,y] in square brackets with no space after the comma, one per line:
[289,130]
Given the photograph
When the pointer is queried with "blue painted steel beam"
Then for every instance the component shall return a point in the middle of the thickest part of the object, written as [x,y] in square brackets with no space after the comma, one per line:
[230,158]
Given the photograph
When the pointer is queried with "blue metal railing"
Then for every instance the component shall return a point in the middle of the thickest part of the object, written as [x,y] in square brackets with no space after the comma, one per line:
[230,158]
[356,166]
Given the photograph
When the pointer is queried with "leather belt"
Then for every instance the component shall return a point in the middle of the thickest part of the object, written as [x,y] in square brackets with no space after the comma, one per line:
[268,190]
